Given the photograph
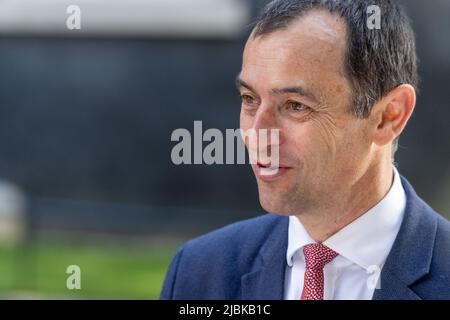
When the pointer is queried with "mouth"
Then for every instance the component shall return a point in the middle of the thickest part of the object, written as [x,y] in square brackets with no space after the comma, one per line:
[268,172]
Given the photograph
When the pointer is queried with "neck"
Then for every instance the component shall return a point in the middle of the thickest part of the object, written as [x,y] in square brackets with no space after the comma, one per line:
[364,194]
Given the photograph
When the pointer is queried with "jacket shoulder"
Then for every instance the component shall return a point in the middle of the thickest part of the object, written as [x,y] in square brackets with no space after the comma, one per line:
[237,239]
[211,266]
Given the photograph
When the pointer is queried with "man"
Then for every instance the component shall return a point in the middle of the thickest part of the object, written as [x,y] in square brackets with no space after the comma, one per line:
[344,223]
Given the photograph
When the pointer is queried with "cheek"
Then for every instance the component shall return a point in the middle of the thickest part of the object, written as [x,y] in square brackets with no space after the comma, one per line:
[311,136]
[302,141]
[327,133]
[245,124]
[246,121]
[352,151]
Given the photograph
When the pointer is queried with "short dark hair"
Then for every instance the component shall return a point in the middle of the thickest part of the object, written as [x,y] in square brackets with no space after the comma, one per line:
[377,60]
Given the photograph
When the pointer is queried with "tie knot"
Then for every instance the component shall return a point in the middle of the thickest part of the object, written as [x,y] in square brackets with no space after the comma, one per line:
[317,255]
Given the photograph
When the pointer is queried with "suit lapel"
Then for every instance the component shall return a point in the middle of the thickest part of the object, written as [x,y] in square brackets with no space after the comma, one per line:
[411,253]
[393,288]
[266,281]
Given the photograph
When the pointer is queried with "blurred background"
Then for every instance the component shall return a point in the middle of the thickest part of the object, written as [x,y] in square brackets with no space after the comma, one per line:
[86,117]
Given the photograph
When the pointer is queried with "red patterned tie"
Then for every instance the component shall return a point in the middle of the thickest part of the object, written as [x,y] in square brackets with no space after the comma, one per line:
[317,256]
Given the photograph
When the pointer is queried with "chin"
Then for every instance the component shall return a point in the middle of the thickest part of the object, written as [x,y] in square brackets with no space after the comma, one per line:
[274,205]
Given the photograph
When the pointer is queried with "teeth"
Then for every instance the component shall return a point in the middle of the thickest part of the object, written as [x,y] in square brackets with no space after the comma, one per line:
[269,171]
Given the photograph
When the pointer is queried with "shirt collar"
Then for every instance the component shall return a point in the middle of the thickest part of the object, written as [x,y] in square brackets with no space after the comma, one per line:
[365,241]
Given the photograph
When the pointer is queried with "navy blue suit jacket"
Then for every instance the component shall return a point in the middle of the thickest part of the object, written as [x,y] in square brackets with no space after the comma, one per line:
[247,260]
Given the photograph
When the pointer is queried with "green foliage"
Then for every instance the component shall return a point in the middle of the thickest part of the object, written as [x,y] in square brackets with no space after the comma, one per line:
[106,271]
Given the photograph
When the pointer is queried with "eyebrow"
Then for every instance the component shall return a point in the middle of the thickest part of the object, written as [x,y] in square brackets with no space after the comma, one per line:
[294,89]
[241,83]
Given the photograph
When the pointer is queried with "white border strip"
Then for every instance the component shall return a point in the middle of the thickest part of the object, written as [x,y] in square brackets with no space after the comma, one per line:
[181,18]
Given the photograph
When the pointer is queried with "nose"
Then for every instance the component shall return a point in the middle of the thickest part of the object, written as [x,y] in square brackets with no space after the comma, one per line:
[265,134]
[265,118]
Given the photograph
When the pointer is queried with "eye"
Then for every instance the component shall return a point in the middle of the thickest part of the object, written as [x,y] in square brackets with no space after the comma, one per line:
[296,106]
[247,99]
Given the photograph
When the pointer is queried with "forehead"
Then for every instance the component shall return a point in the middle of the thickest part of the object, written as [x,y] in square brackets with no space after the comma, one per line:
[311,48]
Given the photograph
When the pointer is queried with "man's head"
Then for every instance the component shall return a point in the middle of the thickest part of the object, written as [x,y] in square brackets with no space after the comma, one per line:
[339,93]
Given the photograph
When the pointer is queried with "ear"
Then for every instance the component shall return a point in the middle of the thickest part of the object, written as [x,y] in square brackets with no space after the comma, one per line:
[392,113]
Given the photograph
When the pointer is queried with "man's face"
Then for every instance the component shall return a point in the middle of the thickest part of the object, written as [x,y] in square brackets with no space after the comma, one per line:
[294,80]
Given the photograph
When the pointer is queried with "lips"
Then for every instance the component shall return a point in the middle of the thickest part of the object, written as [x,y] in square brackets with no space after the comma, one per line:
[266,172]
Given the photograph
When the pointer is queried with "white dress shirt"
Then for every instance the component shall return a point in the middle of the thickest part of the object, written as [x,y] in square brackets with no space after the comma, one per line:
[362,245]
